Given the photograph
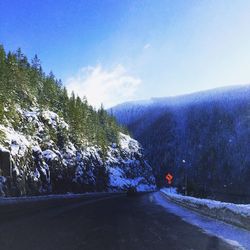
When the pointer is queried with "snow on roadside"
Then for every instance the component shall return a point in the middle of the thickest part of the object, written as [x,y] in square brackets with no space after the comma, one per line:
[241,209]
[119,180]
[237,237]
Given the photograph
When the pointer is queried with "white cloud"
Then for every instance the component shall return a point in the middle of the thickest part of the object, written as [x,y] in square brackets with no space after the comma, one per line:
[147,46]
[109,87]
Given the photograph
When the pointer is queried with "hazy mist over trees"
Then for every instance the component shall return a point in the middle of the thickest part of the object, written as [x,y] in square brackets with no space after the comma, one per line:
[204,137]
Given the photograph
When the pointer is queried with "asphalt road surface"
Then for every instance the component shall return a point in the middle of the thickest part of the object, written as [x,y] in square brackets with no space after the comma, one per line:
[100,222]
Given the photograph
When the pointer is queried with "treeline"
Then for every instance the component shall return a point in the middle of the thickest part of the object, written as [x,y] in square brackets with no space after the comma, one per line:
[205,144]
[24,84]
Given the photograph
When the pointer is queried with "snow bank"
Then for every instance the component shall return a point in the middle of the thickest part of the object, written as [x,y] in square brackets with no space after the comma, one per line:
[238,237]
[236,214]
[119,180]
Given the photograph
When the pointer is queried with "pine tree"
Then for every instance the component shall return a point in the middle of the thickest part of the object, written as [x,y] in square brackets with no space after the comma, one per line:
[25,84]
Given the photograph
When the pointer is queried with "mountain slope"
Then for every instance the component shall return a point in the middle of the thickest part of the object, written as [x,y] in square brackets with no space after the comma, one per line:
[202,136]
[36,165]
[53,143]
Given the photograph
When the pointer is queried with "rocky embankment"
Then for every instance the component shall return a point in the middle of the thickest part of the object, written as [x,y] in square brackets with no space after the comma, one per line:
[38,157]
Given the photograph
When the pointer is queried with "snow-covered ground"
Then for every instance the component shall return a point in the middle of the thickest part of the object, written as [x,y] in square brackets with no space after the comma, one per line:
[235,214]
[118,179]
[241,209]
[238,237]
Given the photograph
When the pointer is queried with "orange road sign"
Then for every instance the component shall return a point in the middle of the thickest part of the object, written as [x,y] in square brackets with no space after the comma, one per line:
[169,178]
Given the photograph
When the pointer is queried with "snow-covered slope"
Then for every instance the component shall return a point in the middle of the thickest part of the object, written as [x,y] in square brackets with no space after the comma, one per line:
[207,133]
[32,163]
[130,112]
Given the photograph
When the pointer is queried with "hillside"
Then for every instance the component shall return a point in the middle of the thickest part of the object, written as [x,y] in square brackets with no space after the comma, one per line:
[202,138]
[51,142]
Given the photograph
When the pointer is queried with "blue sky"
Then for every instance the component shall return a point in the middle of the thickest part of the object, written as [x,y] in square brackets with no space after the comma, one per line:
[113,51]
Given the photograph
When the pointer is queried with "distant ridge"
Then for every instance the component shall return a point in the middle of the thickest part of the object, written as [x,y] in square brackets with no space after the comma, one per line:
[208,129]
[227,91]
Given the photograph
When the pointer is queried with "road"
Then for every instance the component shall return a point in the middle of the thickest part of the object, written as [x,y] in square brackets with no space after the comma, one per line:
[99,222]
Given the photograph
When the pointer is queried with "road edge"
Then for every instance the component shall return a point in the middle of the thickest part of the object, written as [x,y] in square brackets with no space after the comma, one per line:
[222,214]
